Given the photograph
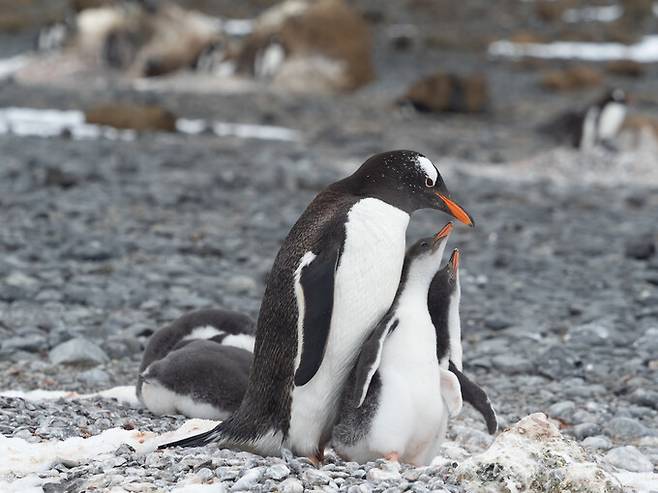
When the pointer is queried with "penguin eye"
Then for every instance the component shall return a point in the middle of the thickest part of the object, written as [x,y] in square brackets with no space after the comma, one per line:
[429,182]
[423,244]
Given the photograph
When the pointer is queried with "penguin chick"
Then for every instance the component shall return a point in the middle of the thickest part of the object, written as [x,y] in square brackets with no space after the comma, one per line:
[397,399]
[201,379]
[443,303]
[221,326]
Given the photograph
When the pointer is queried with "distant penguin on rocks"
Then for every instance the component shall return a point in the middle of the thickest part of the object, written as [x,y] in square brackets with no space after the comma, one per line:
[398,398]
[443,303]
[596,125]
[199,379]
[221,327]
[334,277]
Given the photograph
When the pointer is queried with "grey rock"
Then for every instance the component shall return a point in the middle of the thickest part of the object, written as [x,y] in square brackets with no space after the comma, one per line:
[29,342]
[628,458]
[512,364]
[315,477]
[78,351]
[642,248]
[626,428]
[248,479]
[598,442]
[291,485]
[584,430]
[95,377]
[563,411]
[241,284]
[277,472]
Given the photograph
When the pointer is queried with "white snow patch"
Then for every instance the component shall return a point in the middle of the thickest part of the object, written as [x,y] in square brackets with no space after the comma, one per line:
[51,123]
[241,130]
[9,66]
[640,482]
[645,51]
[238,27]
[200,488]
[608,13]
[21,460]
[124,394]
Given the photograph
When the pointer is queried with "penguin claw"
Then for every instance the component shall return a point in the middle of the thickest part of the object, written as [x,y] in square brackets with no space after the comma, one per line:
[317,459]
[392,457]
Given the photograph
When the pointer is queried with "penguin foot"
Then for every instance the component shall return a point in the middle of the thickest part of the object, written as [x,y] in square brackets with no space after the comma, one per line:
[392,456]
[317,459]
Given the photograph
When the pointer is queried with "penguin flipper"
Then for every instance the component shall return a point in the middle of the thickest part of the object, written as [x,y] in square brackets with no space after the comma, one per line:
[317,282]
[370,357]
[476,397]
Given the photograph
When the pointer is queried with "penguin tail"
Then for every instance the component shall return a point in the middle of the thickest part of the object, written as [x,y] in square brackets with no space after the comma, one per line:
[478,398]
[199,440]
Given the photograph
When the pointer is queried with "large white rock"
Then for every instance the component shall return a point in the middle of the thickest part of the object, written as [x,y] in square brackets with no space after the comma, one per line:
[533,456]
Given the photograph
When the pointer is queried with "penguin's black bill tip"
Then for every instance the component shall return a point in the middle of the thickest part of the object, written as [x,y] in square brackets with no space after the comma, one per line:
[456,210]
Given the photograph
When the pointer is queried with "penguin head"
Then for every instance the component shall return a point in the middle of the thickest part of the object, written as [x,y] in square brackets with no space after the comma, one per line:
[407,180]
[423,258]
[446,280]
[616,95]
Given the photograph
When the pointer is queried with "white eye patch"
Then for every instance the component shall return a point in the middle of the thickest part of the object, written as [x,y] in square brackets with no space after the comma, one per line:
[427,167]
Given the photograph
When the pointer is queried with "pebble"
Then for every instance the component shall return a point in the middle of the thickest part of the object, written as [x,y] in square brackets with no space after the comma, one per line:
[291,485]
[95,377]
[563,411]
[584,430]
[626,428]
[241,284]
[277,472]
[78,351]
[598,442]
[647,398]
[628,458]
[512,364]
[640,248]
[248,479]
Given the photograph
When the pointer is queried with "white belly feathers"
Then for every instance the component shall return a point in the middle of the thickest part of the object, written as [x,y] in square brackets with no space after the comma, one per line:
[366,281]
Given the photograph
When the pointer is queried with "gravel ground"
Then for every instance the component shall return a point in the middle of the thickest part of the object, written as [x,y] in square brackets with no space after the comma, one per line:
[102,242]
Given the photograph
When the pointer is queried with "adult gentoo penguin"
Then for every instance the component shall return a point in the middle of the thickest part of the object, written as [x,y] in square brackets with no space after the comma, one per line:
[334,277]
[221,326]
[597,124]
[398,398]
[443,303]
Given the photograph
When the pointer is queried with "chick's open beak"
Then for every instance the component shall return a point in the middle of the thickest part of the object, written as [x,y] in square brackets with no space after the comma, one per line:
[454,259]
[455,210]
[443,233]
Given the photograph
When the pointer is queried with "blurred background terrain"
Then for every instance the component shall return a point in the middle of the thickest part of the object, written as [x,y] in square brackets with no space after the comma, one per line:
[154,154]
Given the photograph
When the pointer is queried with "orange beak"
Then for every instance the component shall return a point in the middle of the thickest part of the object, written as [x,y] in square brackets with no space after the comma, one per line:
[454,258]
[445,231]
[456,210]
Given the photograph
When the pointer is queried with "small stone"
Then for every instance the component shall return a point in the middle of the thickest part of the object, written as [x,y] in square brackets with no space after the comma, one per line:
[628,458]
[626,428]
[584,430]
[359,488]
[241,285]
[277,472]
[647,398]
[204,475]
[388,474]
[640,248]
[248,479]
[511,364]
[315,477]
[30,342]
[77,351]
[563,411]
[92,251]
[291,485]
[95,376]
[598,442]
[496,323]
